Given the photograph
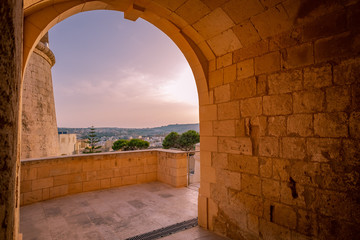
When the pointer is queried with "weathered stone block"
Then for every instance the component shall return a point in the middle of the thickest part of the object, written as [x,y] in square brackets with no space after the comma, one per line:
[266,167]
[277,126]
[192,11]
[246,203]
[285,82]
[293,148]
[270,189]
[224,128]
[224,60]
[281,169]
[240,128]
[58,191]
[323,149]
[219,160]
[91,185]
[338,99]
[277,104]
[253,224]
[253,50]
[222,93]
[208,112]
[300,125]
[246,33]
[244,164]
[268,230]
[347,72]
[240,10]
[251,184]
[354,124]
[355,96]
[267,63]
[261,85]
[230,110]
[245,69]
[284,216]
[318,77]
[226,42]
[251,107]
[309,101]
[331,124]
[216,78]
[239,145]
[228,179]
[307,223]
[230,74]
[304,173]
[269,147]
[42,183]
[243,88]
[298,56]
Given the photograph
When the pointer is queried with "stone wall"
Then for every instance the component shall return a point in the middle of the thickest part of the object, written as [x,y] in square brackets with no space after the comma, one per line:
[280,136]
[39,136]
[47,178]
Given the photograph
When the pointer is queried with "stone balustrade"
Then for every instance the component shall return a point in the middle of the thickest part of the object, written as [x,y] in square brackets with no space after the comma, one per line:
[47,178]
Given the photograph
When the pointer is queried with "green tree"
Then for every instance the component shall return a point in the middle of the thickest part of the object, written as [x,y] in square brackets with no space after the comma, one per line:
[120,144]
[92,141]
[171,140]
[188,139]
[136,144]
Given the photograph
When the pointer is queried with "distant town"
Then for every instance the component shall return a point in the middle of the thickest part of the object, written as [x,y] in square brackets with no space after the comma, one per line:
[72,140]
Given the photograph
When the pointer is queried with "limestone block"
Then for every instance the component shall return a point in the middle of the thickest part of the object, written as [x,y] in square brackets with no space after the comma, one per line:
[212,4]
[128,180]
[136,170]
[105,183]
[216,78]
[277,126]
[303,192]
[261,85]
[285,82]
[272,22]
[225,42]
[355,96]
[206,128]
[228,179]
[270,189]
[224,61]
[251,107]
[309,101]
[240,128]
[25,186]
[91,185]
[108,173]
[284,216]
[277,104]
[219,160]
[243,88]
[58,191]
[208,174]
[33,196]
[243,164]
[307,223]
[270,3]
[253,50]
[209,143]
[224,128]
[298,56]
[238,145]
[253,223]
[246,202]
[230,74]
[245,69]
[269,229]
[213,24]
[230,110]
[300,125]
[331,124]
[222,93]
[191,11]
[124,171]
[269,147]
[281,169]
[293,148]
[347,72]
[28,173]
[323,149]
[304,172]
[75,188]
[318,77]
[267,63]
[241,10]
[354,125]
[251,184]
[208,112]
[266,167]
[42,183]
[246,33]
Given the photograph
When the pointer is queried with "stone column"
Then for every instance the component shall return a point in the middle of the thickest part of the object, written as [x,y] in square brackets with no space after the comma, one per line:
[11,17]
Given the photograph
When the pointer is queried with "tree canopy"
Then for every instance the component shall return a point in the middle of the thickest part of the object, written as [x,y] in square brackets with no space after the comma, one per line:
[185,141]
[133,144]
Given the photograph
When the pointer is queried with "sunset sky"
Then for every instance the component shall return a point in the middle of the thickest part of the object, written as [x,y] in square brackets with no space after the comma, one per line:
[111,72]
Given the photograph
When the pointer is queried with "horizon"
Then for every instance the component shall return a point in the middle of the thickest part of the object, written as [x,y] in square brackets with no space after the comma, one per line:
[138,127]
[127,74]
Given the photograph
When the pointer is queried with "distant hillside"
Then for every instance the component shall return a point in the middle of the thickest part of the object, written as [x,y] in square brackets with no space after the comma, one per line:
[133,132]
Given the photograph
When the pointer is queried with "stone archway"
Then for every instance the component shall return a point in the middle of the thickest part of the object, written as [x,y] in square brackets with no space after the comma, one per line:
[278,83]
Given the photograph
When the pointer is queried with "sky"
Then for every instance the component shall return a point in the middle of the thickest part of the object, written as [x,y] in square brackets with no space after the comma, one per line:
[112,72]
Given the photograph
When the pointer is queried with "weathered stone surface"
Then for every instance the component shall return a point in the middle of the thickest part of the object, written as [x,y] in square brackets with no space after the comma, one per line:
[277,104]
[261,85]
[244,164]
[230,74]
[266,167]
[224,128]
[216,78]
[331,124]
[354,125]
[243,88]
[230,110]
[235,145]
[267,63]
[309,101]
[269,147]
[246,33]
[300,125]
[281,169]
[293,148]
[224,61]
[347,72]
[253,50]
[192,11]
[251,107]
[222,93]
[251,184]
[317,77]
[245,69]
[270,189]
[323,149]
[225,42]
[338,99]
[298,56]
[277,126]
[240,10]
[285,82]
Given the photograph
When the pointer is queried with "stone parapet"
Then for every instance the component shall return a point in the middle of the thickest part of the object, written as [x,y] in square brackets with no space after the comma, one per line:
[51,177]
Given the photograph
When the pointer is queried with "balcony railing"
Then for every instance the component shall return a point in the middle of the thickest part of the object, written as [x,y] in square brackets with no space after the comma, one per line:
[47,178]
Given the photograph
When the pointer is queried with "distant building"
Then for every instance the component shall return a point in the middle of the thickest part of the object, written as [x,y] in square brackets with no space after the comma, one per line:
[67,144]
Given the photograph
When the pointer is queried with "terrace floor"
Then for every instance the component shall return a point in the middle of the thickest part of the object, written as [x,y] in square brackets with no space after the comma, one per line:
[117,213]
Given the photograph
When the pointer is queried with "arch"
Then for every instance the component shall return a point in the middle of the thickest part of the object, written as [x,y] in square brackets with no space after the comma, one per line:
[41,15]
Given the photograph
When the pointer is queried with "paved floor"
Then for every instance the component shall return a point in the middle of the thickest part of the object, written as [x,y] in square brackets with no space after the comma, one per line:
[113,214]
